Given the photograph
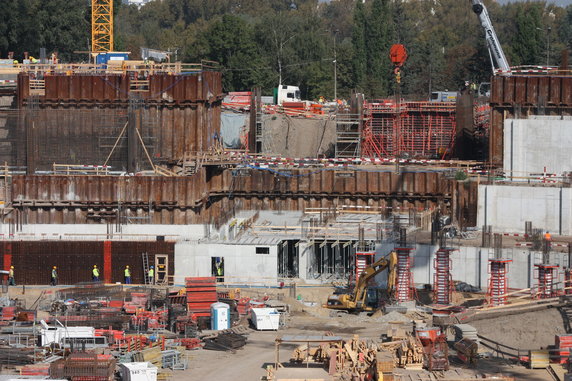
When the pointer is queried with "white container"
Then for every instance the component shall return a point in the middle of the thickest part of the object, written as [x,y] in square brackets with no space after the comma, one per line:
[138,371]
[220,316]
[265,319]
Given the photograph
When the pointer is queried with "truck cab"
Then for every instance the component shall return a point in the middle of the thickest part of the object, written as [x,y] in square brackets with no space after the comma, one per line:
[285,93]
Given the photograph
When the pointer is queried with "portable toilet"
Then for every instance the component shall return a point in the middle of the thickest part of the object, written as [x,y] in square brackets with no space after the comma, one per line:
[220,316]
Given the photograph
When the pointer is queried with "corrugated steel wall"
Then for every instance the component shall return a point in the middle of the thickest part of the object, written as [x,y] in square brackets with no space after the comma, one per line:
[210,197]
[520,96]
[33,260]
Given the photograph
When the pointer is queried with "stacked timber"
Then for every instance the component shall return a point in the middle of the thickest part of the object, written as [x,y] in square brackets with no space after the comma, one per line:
[152,355]
[465,331]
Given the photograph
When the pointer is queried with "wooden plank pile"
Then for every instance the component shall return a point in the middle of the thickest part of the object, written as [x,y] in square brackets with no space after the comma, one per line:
[152,355]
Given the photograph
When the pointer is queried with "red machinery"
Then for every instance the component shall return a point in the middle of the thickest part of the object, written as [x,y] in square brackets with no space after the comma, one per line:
[435,348]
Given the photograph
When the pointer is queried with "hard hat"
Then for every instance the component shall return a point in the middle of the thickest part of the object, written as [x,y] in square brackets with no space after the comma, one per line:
[151,266]
[55,267]
[11,267]
[127,266]
[94,265]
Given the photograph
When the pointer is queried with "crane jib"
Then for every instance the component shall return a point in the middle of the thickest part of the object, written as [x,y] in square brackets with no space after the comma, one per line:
[493,43]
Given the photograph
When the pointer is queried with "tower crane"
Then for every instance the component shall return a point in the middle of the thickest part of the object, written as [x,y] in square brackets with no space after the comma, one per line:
[101,26]
[498,59]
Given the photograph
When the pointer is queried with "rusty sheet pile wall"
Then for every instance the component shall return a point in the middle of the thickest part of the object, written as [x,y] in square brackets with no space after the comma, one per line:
[33,260]
[78,119]
[519,96]
[212,196]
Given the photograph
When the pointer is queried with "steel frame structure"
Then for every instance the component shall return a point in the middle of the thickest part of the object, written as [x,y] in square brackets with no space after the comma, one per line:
[101,26]
[415,129]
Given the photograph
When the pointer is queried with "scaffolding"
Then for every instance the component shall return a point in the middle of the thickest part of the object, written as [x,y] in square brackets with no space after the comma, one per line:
[403,278]
[568,281]
[443,282]
[545,275]
[412,129]
[498,282]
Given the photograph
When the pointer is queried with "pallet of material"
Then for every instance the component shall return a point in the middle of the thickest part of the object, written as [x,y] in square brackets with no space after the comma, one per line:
[200,294]
[152,355]
[225,342]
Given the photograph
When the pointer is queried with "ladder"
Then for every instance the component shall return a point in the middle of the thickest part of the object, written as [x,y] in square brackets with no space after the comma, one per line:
[145,258]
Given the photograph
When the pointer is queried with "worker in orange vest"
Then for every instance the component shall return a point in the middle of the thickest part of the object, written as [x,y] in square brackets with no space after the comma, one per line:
[547,240]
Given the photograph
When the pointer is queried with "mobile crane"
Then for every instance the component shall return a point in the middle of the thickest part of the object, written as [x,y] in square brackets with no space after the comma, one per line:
[357,300]
[493,44]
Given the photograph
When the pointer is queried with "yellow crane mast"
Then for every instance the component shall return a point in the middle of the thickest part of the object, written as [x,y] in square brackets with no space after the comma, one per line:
[101,26]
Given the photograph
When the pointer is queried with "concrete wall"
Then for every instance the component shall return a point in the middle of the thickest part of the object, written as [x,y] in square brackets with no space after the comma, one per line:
[533,145]
[103,231]
[241,263]
[507,207]
[470,265]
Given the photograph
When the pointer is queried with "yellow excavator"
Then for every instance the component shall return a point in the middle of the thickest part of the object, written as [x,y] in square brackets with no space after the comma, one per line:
[357,300]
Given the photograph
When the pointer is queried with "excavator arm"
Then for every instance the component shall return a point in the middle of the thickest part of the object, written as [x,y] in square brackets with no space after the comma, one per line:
[388,262]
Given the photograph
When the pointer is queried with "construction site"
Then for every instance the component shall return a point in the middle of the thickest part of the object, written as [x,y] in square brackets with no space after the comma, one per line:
[155,227]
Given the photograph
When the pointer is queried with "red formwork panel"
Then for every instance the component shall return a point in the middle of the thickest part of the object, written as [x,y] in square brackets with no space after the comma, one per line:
[416,129]
[201,293]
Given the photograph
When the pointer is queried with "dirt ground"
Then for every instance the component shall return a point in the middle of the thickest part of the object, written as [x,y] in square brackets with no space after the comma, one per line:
[526,331]
[532,330]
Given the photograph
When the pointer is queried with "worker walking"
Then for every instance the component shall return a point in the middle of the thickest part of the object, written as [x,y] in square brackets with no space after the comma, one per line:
[127,275]
[151,275]
[95,274]
[54,281]
[11,280]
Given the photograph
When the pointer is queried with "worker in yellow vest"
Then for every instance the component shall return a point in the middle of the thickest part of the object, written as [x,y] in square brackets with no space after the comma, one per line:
[127,275]
[11,280]
[54,281]
[95,274]
[151,275]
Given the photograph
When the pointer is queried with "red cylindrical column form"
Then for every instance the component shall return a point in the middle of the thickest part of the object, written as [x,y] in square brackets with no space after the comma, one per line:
[442,280]
[498,282]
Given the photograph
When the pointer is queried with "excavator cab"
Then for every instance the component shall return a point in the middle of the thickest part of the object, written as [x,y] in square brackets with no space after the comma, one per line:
[364,298]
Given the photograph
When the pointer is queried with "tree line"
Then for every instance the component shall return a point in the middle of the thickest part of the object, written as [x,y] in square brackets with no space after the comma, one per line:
[299,42]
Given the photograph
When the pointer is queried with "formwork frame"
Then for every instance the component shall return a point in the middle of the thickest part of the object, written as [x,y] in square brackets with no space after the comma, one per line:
[415,129]
[545,281]
[498,282]
[442,279]
[404,278]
